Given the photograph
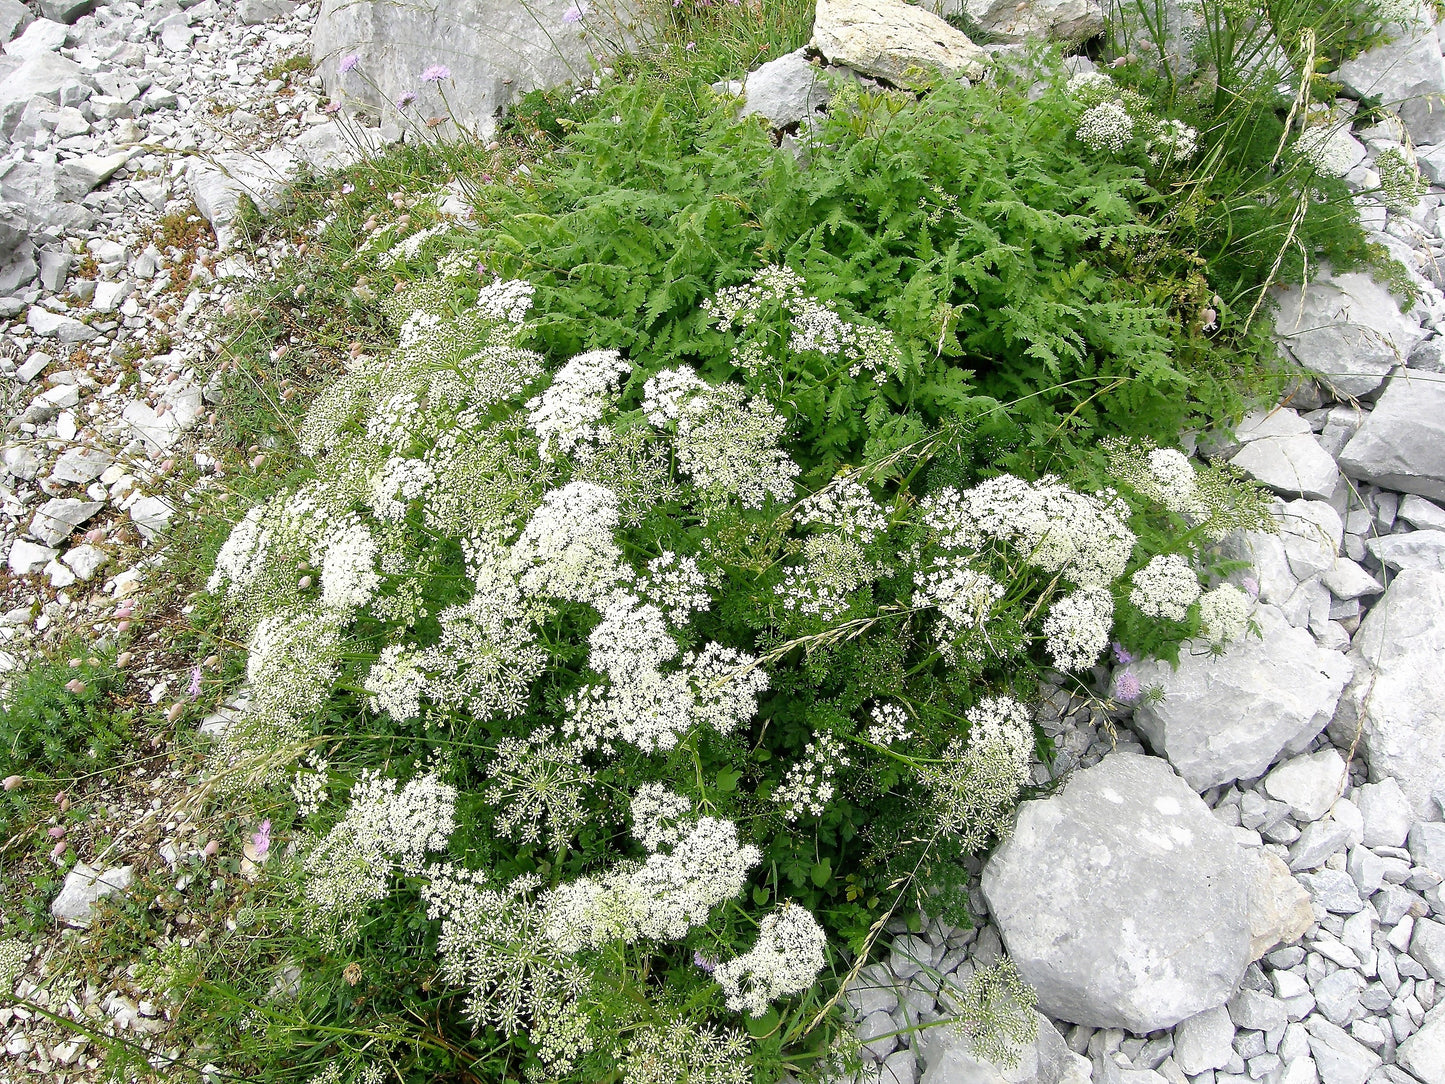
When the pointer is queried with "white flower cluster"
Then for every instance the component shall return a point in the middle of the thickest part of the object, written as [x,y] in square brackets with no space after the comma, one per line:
[569,413]
[963,595]
[785,960]
[347,552]
[291,662]
[1054,528]
[975,786]
[1224,613]
[846,505]
[676,585]
[661,899]
[1329,148]
[890,724]
[395,485]
[681,1050]
[1090,88]
[506,301]
[309,785]
[814,326]
[538,784]
[492,944]
[1166,587]
[1174,482]
[1106,126]
[808,786]
[567,550]
[396,682]
[384,830]
[726,443]
[657,816]
[1078,627]
[834,566]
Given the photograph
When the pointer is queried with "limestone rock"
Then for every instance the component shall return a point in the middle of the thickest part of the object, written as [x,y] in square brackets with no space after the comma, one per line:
[41,36]
[14,17]
[66,11]
[1418,512]
[1415,550]
[83,888]
[1394,699]
[786,91]
[1279,906]
[1204,1041]
[1142,919]
[889,39]
[1346,329]
[1424,1052]
[1401,444]
[948,1058]
[1058,20]
[1309,784]
[1386,813]
[81,465]
[27,557]
[1281,452]
[1408,75]
[1228,717]
[495,50]
[59,516]
[57,325]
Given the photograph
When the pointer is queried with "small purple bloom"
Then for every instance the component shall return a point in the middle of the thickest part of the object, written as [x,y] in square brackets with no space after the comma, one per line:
[195,688]
[576,12]
[349,61]
[347,189]
[1121,654]
[1251,586]
[262,839]
[436,73]
[331,107]
[407,98]
[706,963]
[1126,687]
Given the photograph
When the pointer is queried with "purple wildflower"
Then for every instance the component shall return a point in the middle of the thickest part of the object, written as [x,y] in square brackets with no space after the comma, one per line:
[347,189]
[1251,586]
[576,12]
[436,73]
[262,839]
[407,98]
[195,687]
[1126,687]
[706,963]
[1121,654]
[331,107]
[349,61]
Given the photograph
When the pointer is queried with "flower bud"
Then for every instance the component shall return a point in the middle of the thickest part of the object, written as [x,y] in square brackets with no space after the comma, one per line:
[76,686]
[57,832]
[13,781]
[58,851]
[123,659]
[175,712]
[212,848]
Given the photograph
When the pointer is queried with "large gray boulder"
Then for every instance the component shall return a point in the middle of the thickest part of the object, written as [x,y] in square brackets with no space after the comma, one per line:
[1394,702]
[1123,901]
[1230,716]
[948,1058]
[1281,452]
[1408,75]
[1401,444]
[1346,329]
[1009,20]
[1423,1053]
[14,17]
[891,40]
[786,91]
[494,50]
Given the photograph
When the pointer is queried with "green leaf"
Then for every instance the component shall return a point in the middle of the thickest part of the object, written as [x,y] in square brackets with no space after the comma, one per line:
[758,1026]
[760,894]
[822,872]
[727,780]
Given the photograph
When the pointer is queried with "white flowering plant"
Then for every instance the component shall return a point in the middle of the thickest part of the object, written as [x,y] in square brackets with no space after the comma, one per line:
[659,713]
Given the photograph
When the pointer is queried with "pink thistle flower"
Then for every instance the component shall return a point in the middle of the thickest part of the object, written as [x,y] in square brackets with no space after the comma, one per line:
[331,107]
[349,61]
[436,73]
[576,12]
[407,98]
[347,189]
[195,687]
[262,839]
